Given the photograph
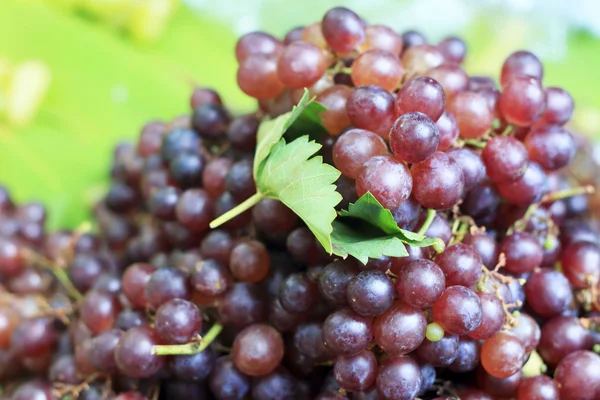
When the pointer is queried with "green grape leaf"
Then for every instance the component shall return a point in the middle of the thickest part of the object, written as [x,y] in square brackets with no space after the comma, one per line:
[303,118]
[368,230]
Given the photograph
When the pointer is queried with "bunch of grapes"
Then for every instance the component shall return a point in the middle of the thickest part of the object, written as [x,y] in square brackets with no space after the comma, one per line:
[156,305]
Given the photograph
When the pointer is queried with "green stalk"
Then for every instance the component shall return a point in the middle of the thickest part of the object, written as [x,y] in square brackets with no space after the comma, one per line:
[63,278]
[428,221]
[189,348]
[234,212]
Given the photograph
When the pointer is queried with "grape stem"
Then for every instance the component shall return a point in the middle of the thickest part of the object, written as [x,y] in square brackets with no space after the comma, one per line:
[58,271]
[428,221]
[189,348]
[240,208]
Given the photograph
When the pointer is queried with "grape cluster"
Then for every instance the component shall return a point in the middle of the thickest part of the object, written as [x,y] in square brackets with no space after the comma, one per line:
[156,305]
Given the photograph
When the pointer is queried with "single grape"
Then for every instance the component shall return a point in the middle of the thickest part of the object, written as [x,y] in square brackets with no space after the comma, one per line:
[539,387]
[301,244]
[335,119]
[382,37]
[180,141]
[240,180]
[210,121]
[458,311]
[243,304]
[419,59]
[492,316]
[580,263]
[461,265]
[485,245]
[242,132]
[499,387]
[379,68]
[562,336]
[257,350]
[387,178]
[451,77]
[334,280]
[371,108]
[258,77]
[422,94]
[256,43]
[134,356]
[523,100]
[527,189]
[203,95]
[195,210]
[473,114]
[102,354]
[550,146]
[347,333]
[249,261]
[453,48]
[438,182]
[33,337]
[522,252]
[420,283]
[293,35]
[177,321]
[471,165]
[308,339]
[548,292]
[166,284]
[559,107]
[578,376]
[298,293]
[217,245]
[99,310]
[528,331]
[370,293]
[412,38]
[440,353]
[357,372]
[467,355]
[399,378]
[505,159]
[400,330]
[228,382]
[343,30]
[414,137]
[300,65]
[354,148]
[521,64]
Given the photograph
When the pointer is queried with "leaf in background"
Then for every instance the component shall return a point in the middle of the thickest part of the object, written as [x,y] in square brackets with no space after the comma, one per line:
[104,88]
[368,230]
[303,184]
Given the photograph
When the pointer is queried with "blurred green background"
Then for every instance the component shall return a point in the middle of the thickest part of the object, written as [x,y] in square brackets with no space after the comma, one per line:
[113,69]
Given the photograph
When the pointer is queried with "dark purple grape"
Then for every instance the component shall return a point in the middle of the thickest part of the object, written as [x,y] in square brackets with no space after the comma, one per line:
[399,378]
[355,373]
[334,280]
[177,321]
[193,368]
[102,354]
[227,382]
[370,293]
[550,146]
[178,142]
[33,337]
[347,333]
[298,293]
[485,246]
[134,356]
[240,181]
[166,284]
[308,340]
[548,292]
[210,278]
[440,353]
[580,263]
[471,165]
[243,304]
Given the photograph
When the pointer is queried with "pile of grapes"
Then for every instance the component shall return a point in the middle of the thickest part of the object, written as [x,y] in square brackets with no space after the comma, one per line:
[157,305]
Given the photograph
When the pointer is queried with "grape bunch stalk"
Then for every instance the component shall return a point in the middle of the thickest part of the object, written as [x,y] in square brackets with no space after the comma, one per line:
[408,232]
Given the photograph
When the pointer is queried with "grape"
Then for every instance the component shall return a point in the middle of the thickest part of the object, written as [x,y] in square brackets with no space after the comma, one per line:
[382,37]
[313,34]
[12,260]
[550,146]
[492,316]
[379,68]
[300,65]
[355,373]
[177,321]
[228,382]
[399,378]
[298,294]
[420,283]
[521,64]
[482,203]
[440,353]
[387,178]
[474,394]
[467,355]
[522,251]
[526,189]
[419,59]
[559,107]
[540,387]
[370,293]
[347,333]
[166,284]
[258,76]
[562,336]
[308,339]
[64,370]
[505,159]
[217,244]
[33,337]
[240,180]
[400,330]
[548,292]
[473,114]
[278,385]
[334,280]
[195,210]
[335,119]
[354,148]
[293,35]
[438,182]
[99,310]
[578,376]
[371,108]
[485,246]
[528,331]
[343,30]
[499,387]
[133,354]
[242,132]
[243,304]
[470,164]
[580,263]
[133,282]
[257,350]
[414,137]
[162,202]
[193,368]
[458,311]
[102,354]
[407,214]
[302,245]
[210,121]
[249,261]
[451,77]
[282,320]
[203,95]
[422,94]
[413,38]
[453,48]
[448,130]
[523,100]
[461,265]
[33,390]
[210,278]
[120,198]
[179,141]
